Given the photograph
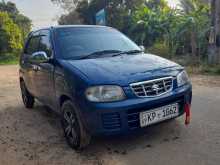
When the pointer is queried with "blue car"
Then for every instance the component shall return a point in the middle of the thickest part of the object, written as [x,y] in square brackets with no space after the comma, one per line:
[100,82]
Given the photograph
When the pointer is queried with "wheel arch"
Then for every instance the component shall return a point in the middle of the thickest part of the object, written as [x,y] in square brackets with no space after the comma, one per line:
[63,98]
[85,135]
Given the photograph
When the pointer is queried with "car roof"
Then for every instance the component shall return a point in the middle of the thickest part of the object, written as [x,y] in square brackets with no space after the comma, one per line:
[66,26]
[70,26]
[78,26]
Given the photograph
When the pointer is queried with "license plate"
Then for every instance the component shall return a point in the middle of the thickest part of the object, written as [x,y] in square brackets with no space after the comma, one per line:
[159,114]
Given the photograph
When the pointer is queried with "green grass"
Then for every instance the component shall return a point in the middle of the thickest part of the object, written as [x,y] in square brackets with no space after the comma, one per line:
[195,66]
[8,60]
[204,69]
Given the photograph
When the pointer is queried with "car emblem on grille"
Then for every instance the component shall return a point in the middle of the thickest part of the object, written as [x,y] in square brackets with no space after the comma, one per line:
[155,87]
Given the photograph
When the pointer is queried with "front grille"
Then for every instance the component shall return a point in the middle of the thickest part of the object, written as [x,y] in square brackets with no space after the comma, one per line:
[111,121]
[153,88]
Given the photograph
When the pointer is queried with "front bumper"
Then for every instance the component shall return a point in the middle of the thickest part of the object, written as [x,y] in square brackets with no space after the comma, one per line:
[123,117]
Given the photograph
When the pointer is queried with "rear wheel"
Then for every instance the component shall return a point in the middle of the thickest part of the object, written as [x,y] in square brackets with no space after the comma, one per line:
[27,98]
[74,131]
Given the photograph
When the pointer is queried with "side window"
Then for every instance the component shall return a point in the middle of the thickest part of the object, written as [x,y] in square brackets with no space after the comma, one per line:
[45,44]
[32,45]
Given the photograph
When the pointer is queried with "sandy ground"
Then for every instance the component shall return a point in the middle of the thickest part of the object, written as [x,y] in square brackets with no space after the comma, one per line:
[34,137]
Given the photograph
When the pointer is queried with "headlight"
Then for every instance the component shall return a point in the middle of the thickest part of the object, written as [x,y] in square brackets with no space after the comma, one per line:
[182,78]
[106,93]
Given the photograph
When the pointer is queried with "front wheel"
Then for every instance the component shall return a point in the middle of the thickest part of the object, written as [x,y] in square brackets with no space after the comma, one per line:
[27,98]
[74,131]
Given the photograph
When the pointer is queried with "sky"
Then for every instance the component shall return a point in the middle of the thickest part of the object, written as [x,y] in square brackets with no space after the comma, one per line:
[44,13]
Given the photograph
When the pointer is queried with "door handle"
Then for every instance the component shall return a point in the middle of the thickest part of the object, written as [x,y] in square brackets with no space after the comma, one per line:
[36,68]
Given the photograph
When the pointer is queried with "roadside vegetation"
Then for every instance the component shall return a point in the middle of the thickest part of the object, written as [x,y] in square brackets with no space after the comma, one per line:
[188,33]
[14,28]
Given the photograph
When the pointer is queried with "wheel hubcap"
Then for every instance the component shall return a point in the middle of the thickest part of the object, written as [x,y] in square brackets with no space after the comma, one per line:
[70,127]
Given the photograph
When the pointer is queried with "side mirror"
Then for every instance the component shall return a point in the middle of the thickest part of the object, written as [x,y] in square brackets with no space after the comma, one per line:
[39,57]
[142,48]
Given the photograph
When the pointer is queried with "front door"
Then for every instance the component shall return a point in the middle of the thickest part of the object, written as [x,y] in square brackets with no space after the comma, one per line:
[44,75]
[27,67]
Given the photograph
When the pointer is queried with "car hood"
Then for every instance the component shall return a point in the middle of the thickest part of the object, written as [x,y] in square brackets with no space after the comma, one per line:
[125,69]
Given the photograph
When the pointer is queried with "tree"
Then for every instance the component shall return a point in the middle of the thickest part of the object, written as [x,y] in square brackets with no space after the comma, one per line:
[118,11]
[68,5]
[78,11]
[150,22]
[22,21]
[10,35]
[85,11]
[14,27]
[214,47]
[197,13]
[9,7]
[181,31]
[70,18]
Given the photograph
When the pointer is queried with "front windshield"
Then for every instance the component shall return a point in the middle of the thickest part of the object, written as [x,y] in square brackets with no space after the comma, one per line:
[78,42]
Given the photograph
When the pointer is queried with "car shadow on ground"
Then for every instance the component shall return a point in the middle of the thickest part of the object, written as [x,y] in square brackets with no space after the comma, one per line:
[38,131]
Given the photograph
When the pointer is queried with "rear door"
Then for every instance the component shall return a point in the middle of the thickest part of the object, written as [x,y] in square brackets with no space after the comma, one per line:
[27,67]
[44,76]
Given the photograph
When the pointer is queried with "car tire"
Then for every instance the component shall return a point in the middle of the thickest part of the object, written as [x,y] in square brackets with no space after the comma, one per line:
[27,98]
[75,133]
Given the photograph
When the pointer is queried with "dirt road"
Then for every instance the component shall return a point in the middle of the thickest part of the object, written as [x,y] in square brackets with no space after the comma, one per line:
[34,137]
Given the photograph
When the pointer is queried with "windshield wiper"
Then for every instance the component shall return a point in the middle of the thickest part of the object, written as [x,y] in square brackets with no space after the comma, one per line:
[100,53]
[128,52]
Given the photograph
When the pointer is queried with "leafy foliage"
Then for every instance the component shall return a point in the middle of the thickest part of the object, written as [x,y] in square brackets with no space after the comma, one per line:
[118,11]
[152,23]
[10,34]
[68,5]
[14,27]
[182,30]
[22,21]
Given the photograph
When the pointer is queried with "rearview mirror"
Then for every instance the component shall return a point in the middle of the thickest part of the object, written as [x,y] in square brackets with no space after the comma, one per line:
[142,48]
[39,57]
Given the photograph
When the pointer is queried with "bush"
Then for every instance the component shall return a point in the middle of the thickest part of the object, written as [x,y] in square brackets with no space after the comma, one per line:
[204,69]
[10,36]
[213,69]
[8,59]
[160,49]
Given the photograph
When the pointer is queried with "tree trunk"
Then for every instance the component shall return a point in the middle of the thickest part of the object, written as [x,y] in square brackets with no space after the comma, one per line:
[214,47]
[193,44]
[217,29]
